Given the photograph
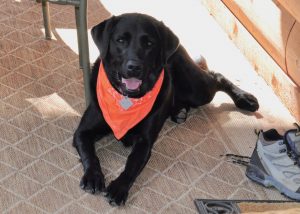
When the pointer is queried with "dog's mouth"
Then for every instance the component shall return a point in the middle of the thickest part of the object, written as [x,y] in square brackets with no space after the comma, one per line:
[131,84]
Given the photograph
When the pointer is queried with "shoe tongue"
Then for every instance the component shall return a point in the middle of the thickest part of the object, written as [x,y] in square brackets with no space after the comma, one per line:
[132,83]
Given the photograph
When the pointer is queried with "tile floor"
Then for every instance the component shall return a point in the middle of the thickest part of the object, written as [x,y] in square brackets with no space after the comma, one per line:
[41,102]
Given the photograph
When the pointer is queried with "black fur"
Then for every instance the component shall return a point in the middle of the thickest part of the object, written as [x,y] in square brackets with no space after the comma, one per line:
[152,46]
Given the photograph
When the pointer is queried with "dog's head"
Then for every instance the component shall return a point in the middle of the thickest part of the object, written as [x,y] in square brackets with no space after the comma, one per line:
[134,48]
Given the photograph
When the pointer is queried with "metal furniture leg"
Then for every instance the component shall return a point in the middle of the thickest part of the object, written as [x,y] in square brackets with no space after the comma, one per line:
[77,16]
[46,18]
[83,38]
[81,25]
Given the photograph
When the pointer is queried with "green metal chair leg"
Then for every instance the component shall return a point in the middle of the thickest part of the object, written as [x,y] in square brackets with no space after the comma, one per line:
[81,25]
[83,37]
[77,16]
[46,17]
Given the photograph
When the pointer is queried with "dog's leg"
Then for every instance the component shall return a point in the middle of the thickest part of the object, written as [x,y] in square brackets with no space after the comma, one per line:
[144,138]
[196,85]
[91,128]
[117,191]
[241,98]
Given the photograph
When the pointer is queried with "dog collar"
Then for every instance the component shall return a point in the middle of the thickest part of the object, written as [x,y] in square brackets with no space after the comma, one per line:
[122,113]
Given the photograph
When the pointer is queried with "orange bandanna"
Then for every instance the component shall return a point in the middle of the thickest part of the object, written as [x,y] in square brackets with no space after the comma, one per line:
[120,112]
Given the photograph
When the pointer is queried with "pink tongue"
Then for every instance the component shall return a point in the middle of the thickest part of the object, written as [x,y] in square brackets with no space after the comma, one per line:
[132,83]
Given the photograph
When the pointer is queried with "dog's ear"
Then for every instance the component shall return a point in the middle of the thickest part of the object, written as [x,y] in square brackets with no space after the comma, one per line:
[169,41]
[101,35]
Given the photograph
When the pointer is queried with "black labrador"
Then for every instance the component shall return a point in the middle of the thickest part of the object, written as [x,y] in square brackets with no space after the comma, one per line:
[137,47]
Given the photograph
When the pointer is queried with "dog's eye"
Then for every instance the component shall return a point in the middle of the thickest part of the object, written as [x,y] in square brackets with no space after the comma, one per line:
[120,40]
[149,43]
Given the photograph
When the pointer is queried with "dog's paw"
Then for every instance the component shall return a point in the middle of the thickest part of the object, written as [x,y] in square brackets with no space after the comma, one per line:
[117,192]
[92,181]
[181,116]
[247,101]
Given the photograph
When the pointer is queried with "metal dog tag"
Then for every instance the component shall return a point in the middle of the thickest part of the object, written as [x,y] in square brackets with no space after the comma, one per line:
[125,103]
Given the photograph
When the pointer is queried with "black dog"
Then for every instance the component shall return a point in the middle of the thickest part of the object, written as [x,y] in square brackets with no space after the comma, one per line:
[137,48]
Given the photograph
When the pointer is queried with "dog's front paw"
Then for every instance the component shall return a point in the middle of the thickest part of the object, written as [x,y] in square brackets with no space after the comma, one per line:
[117,192]
[92,181]
[247,101]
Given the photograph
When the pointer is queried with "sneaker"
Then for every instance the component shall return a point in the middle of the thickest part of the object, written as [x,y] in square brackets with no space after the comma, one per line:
[270,165]
[292,140]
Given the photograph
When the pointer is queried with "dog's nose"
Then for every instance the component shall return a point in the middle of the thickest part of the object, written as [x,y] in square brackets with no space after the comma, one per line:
[133,67]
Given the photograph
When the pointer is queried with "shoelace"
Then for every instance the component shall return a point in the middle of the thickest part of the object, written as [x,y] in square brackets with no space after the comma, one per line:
[237,159]
[245,160]
[298,128]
